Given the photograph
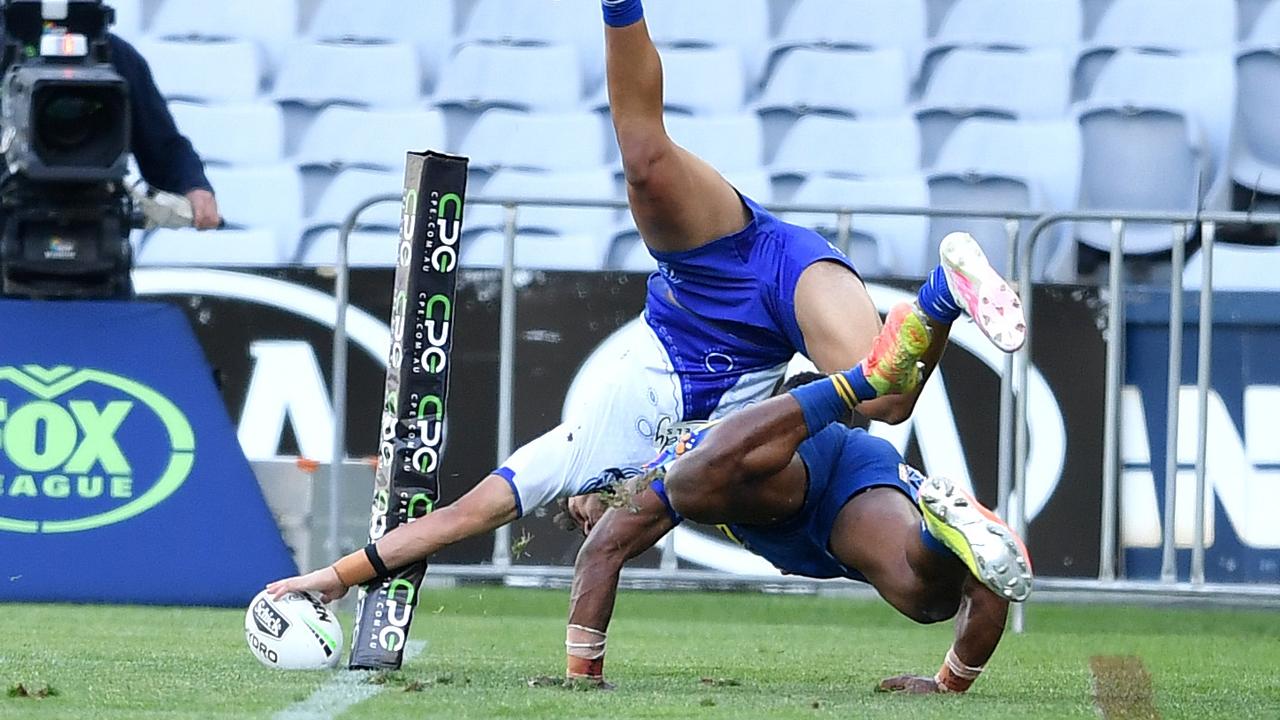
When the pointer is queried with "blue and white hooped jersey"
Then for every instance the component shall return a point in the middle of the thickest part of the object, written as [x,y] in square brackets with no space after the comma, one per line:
[726,309]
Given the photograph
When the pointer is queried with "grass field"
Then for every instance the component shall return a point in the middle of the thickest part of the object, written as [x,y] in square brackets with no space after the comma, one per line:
[672,655]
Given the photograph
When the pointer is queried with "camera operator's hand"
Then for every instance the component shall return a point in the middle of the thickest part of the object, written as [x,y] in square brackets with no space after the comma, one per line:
[205,207]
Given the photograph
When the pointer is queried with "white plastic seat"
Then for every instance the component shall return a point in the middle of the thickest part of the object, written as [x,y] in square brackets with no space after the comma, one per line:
[729,142]
[257,139]
[1200,85]
[353,186]
[1138,159]
[365,248]
[260,197]
[343,136]
[268,23]
[595,184]
[1256,160]
[218,71]
[537,252]
[818,145]
[852,82]
[1012,24]
[968,82]
[739,24]
[1237,268]
[250,248]
[428,25]
[503,138]
[381,75]
[566,22]
[856,24]
[631,255]
[1266,27]
[1172,26]
[896,245]
[1047,151]
[544,78]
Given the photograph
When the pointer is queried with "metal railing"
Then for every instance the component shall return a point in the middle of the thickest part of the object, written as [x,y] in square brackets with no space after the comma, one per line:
[1014,438]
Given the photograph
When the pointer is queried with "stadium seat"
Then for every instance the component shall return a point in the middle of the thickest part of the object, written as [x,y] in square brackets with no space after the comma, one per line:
[365,248]
[1256,160]
[259,196]
[130,19]
[428,25]
[1237,268]
[739,24]
[504,138]
[855,24]
[629,254]
[968,82]
[352,187]
[1200,85]
[981,191]
[1048,151]
[479,77]
[1173,26]
[270,24]
[878,244]
[567,22]
[217,72]
[841,82]
[537,252]
[818,145]
[696,81]
[250,248]
[730,143]
[1012,24]
[1266,28]
[595,184]
[343,136]
[1137,159]
[371,74]
[258,137]
[1167,25]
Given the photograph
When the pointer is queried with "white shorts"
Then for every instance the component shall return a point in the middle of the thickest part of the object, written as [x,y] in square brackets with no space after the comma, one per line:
[624,401]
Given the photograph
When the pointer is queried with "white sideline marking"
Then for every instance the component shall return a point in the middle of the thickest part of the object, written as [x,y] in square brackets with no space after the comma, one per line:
[346,688]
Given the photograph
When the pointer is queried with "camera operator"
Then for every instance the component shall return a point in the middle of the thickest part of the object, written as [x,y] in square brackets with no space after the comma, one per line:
[166,158]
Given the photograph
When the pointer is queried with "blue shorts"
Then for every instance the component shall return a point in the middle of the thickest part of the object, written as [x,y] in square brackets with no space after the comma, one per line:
[841,463]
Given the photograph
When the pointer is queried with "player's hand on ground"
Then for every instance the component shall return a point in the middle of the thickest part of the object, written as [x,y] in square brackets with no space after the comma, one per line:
[324,582]
[586,510]
[909,684]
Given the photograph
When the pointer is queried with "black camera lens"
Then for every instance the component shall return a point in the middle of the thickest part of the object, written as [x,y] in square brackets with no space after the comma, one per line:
[80,126]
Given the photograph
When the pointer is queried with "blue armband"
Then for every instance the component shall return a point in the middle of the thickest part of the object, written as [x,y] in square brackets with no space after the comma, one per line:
[621,13]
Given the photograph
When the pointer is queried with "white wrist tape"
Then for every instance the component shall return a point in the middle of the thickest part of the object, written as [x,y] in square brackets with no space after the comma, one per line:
[584,642]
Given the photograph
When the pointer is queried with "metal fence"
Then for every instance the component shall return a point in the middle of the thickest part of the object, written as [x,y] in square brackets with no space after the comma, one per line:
[1013,429]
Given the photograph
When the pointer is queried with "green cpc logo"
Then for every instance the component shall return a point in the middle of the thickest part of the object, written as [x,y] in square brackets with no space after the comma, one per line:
[82,449]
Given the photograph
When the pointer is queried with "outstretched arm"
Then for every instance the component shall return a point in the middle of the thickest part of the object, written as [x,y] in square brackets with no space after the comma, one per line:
[487,506]
[678,201]
[979,627]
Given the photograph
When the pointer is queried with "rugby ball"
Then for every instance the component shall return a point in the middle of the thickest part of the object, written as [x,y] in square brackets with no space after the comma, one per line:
[296,632]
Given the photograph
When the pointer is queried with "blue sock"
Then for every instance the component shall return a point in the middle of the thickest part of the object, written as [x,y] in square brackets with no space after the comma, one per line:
[831,399]
[932,542]
[621,13]
[935,298]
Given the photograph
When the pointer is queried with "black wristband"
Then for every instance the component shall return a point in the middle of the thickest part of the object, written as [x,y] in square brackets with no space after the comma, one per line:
[371,552]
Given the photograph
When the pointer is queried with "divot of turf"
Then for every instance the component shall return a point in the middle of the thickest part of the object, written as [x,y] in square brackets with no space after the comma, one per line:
[1122,688]
[34,692]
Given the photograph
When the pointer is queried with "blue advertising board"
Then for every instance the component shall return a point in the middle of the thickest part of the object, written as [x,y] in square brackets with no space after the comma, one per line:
[1243,460]
[121,479]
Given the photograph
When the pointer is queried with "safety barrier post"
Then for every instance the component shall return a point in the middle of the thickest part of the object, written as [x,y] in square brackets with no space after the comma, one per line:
[1004,451]
[1168,555]
[1208,231]
[506,369]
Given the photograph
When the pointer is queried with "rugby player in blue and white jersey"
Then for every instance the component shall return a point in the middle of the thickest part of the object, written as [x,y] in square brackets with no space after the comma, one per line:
[738,293]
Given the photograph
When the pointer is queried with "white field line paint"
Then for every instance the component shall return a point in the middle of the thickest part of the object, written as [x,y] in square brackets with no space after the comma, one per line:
[345,689]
